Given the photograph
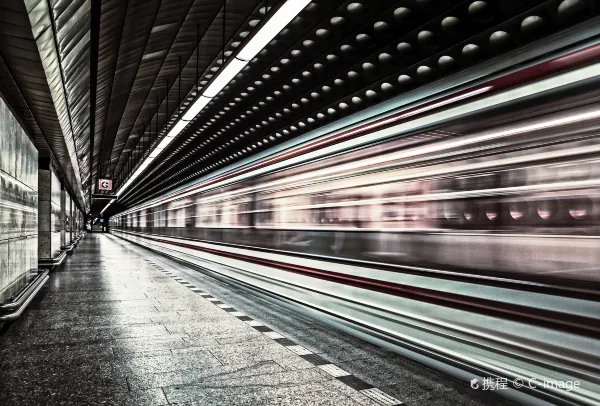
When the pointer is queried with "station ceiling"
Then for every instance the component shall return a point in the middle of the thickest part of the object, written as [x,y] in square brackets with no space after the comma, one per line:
[121,72]
[44,77]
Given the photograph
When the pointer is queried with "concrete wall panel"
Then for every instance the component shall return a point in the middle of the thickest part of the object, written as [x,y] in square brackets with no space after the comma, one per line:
[18,205]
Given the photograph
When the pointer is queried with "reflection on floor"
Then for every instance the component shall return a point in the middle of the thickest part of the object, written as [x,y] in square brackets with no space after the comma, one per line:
[119,325]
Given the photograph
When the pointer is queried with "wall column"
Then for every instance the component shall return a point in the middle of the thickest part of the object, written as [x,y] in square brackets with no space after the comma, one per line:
[68,220]
[63,217]
[71,225]
[49,212]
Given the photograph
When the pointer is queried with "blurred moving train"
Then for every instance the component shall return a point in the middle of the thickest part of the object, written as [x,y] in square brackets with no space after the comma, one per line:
[439,204]
[473,241]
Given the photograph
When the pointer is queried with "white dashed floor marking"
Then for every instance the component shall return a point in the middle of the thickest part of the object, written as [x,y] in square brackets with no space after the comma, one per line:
[333,370]
[224,306]
[298,349]
[380,397]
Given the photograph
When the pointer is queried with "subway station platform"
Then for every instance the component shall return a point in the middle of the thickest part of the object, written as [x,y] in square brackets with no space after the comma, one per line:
[300,202]
[120,325]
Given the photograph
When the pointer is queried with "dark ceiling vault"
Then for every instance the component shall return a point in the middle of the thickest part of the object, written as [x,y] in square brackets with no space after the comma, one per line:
[338,57]
[33,95]
[148,60]
[62,32]
[114,75]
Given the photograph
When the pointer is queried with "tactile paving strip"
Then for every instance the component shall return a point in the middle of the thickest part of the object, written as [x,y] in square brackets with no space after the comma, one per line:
[224,306]
[273,334]
[334,370]
[380,397]
[298,349]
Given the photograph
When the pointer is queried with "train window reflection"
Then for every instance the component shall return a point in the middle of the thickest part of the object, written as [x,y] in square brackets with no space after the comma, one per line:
[471,211]
[547,209]
[491,213]
[515,178]
[265,213]
[451,211]
[518,210]
[581,208]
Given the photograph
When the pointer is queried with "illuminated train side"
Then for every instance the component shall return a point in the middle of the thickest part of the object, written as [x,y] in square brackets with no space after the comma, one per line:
[521,207]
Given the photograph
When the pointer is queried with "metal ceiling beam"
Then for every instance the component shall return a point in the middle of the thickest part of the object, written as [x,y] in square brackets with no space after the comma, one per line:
[125,29]
[196,57]
[61,29]
[24,85]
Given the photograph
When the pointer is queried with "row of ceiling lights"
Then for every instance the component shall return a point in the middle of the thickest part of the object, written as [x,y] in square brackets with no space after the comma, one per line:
[476,10]
[286,13]
[352,8]
[252,23]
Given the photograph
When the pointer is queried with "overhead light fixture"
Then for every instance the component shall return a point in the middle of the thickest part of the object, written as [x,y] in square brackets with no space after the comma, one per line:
[106,207]
[154,153]
[196,108]
[278,21]
[177,128]
[225,76]
[282,17]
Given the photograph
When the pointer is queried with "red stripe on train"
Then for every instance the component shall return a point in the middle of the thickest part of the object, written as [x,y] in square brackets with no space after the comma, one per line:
[544,318]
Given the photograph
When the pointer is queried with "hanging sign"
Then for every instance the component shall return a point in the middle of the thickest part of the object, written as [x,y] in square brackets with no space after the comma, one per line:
[105,184]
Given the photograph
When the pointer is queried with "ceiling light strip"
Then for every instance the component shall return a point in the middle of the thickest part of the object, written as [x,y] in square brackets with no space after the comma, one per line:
[277,22]
[106,207]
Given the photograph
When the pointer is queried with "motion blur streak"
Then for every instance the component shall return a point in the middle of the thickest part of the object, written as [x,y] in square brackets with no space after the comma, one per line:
[471,234]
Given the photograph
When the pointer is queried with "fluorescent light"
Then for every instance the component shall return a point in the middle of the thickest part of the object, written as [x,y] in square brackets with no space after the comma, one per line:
[126,185]
[180,125]
[233,68]
[154,153]
[286,13]
[196,108]
[164,143]
[137,173]
[105,207]
[282,17]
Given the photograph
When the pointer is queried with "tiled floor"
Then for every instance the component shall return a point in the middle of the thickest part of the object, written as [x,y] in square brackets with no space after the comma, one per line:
[109,328]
